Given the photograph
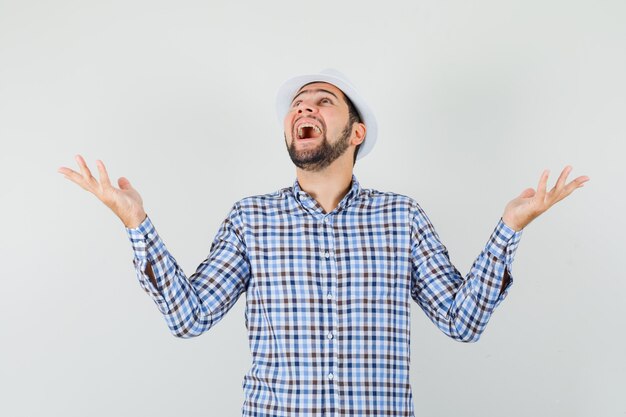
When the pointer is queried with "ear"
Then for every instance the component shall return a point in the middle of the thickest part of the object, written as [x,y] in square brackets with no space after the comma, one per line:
[358,133]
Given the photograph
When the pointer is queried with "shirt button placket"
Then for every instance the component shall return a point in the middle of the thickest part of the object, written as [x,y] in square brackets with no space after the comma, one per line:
[332,308]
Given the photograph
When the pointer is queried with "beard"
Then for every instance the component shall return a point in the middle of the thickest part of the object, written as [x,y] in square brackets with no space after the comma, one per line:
[318,158]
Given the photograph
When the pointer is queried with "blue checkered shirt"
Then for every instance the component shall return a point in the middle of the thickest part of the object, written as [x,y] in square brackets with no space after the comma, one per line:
[327,296]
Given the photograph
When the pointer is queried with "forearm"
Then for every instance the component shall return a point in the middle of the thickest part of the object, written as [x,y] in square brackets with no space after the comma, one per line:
[191,305]
[489,280]
[461,307]
[165,282]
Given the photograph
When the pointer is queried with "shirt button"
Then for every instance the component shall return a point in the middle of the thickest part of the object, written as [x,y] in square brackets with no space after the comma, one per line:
[325,219]
[326,254]
[329,296]
[331,376]
[330,335]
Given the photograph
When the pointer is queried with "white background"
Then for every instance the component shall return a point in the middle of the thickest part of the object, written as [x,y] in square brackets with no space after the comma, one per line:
[474,100]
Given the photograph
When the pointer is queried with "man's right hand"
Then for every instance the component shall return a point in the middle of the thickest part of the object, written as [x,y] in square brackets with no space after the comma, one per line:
[125,201]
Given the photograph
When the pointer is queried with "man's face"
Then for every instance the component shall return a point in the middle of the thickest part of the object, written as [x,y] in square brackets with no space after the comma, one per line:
[317,130]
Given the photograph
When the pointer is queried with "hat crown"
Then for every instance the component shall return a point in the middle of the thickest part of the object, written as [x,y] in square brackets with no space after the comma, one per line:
[338,75]
[334,73]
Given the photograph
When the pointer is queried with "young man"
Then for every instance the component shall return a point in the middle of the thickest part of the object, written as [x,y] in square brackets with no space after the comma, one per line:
[329,268]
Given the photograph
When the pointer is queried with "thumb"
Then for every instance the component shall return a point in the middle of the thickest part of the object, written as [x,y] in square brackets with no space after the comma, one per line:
[529,192]
[124,183]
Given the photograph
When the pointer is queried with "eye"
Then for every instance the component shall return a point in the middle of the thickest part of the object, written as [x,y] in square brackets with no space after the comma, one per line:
[325,100]
[295,103]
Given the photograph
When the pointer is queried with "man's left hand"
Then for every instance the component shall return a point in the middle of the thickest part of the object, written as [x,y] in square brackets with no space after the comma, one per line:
[530,203]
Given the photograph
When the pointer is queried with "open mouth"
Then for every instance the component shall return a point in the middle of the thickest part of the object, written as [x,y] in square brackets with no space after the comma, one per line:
[308,131]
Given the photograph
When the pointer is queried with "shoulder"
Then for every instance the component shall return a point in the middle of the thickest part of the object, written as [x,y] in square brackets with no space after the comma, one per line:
[264,201]
[255,207]
[387,198]
[393,203]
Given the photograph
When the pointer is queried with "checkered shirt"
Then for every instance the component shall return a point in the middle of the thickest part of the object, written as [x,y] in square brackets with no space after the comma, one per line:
[327,296]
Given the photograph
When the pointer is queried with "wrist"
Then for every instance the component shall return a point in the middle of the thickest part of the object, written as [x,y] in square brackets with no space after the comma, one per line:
[512,224]
[132,222]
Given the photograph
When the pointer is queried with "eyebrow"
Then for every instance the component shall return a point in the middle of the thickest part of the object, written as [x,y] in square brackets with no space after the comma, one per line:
[319,90]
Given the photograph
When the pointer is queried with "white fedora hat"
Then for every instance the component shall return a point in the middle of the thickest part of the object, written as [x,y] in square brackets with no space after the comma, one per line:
[289,88]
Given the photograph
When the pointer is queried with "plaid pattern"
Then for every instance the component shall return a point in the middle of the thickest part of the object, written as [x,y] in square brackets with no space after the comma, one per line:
[327,296]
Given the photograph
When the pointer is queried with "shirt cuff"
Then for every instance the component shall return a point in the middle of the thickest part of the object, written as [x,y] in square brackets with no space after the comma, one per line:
[503,242]
[140,237]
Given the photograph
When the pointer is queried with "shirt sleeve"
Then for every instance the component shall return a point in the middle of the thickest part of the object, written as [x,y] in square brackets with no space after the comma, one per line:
[459,306]
[193,305]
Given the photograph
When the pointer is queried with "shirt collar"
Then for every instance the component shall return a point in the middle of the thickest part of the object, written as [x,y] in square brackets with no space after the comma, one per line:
[309,202]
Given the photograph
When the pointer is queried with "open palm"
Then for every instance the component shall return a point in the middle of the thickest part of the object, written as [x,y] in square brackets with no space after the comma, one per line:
[531,203]
[125,201]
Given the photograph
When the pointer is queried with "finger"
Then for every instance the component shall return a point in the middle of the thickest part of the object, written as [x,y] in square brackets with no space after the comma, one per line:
[563,177]
[73,176]
[527,193]
[541,187]
[66,170]
[574,184]
[124,183]
[104,176]
[83,168]
[556,192]
[582,180]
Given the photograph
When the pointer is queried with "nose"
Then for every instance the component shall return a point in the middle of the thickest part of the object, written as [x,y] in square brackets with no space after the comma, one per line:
[305,107]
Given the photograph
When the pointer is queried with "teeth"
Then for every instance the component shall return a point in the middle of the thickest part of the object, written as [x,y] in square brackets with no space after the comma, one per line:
[303,125]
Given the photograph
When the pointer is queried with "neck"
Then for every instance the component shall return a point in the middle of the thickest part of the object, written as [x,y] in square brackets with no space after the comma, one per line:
[329,185]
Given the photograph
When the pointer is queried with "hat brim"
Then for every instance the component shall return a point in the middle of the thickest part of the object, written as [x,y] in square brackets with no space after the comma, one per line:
[288,90]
